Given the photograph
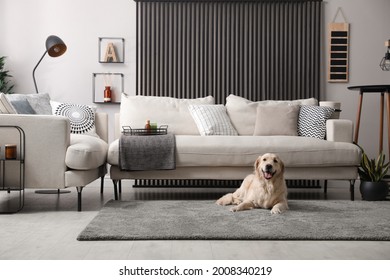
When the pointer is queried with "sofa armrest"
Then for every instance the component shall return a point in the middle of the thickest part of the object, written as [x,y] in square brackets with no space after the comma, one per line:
[339,130]
[47,138]
[101,122]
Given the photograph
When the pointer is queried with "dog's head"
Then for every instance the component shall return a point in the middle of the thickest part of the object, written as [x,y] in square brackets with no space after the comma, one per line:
[269,166]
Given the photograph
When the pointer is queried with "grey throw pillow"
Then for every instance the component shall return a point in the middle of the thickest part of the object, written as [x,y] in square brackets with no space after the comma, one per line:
[23,107]
[40,102]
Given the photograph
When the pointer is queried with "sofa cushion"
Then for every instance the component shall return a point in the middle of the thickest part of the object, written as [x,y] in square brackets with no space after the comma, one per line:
[174,112]
[192,151]
[40,102]
[85,152]
[242,112]
[277,120]
[244,150]
[212,120]
[312,121]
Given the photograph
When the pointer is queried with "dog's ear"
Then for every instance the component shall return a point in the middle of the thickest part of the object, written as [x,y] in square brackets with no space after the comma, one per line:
[256,165]
[281,165]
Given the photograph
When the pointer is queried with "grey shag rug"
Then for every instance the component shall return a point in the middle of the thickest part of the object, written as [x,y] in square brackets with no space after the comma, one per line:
[202,220]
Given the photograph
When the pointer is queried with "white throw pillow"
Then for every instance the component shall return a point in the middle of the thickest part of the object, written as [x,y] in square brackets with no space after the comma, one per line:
[242,112]
[136,110]
[312,121]
[81,117]
[277,120]
[212,120]
[5,106]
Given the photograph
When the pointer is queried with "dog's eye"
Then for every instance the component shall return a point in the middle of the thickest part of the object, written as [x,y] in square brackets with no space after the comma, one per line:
[275,160]
[264,159]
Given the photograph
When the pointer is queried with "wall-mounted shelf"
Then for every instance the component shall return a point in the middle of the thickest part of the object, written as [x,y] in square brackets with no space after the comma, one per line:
[101,80]
[111,50]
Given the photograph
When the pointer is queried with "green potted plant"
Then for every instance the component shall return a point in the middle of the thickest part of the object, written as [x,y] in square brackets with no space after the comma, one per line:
[372,173]
[5,85]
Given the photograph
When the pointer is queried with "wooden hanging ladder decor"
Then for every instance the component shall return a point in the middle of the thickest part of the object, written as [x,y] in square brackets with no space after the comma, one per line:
[110,53]
[338,38]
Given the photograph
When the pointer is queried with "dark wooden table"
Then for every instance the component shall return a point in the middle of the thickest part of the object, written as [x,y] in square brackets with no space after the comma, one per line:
[382,89]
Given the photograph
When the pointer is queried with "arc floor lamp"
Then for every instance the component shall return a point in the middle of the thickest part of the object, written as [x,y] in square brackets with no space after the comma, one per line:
[54,47]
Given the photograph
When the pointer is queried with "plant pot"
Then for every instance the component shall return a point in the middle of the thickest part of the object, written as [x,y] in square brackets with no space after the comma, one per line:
[372,191]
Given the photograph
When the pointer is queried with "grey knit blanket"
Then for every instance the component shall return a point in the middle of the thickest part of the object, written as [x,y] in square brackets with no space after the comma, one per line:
[152,152]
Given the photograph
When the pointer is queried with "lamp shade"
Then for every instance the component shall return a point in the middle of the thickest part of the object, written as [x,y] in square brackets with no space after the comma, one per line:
[55,46]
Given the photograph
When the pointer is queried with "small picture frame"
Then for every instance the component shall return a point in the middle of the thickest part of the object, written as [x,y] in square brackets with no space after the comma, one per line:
[99,82]
[111,50]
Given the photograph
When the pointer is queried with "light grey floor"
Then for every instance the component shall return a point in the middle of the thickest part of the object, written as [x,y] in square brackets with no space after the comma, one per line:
[48,225]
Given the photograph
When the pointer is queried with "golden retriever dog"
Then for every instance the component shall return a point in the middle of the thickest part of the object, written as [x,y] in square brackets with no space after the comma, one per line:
[265,188]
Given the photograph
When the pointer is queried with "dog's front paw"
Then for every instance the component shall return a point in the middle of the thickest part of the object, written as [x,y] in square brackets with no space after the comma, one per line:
[276,210]
[220,202]
[234,209]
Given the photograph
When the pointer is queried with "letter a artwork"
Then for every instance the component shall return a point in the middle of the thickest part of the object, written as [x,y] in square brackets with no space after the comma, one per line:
[110,53]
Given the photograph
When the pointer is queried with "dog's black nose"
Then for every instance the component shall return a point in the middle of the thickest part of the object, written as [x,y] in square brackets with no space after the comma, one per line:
[268,167]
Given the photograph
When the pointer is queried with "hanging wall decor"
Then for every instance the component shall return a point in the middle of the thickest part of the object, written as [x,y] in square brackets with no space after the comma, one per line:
[338,41]
[111,50]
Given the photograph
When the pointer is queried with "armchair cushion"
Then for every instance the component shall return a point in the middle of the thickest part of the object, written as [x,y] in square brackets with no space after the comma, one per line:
[85,152]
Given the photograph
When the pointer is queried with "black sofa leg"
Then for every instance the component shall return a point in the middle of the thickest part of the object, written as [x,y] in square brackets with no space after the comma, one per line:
[120,186]
[79,190]
[352,189]
[101,184]
[115,182]
[325,186]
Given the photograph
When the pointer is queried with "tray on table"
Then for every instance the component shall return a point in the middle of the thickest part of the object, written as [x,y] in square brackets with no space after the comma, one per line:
[162,130]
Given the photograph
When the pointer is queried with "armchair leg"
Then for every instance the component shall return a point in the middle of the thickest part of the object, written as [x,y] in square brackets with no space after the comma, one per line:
[352,189]
[79,190]
[115,182]
[101,184]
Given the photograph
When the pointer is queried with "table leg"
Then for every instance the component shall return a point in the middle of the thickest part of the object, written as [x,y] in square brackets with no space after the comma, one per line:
[358,117]
[381,123]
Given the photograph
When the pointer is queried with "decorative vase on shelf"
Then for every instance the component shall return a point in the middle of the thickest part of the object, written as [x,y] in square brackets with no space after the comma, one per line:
[107,94]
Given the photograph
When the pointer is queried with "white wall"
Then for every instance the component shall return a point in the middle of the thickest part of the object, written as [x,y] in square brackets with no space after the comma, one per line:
[25,25]
[369,29]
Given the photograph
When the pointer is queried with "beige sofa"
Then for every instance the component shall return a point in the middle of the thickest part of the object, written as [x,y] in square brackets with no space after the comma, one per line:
[54,158]
[231,157]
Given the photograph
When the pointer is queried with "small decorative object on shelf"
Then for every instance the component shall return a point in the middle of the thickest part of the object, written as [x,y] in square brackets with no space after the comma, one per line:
[111,50]
[107,94]
[10,151]
[110,53]
[162,130]
[148,128]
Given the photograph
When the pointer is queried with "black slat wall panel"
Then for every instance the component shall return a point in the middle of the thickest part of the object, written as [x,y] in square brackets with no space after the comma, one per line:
[255,49]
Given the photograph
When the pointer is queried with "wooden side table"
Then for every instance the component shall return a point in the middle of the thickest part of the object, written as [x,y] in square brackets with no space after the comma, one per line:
[382,89]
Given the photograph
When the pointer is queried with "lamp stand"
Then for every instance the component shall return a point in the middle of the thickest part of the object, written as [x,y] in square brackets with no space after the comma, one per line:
[33,73]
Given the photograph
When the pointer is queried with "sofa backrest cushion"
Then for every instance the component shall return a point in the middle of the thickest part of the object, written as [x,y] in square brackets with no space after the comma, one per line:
[212,120]
[40,102]
[277,120]
[174,112]
[242,112]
